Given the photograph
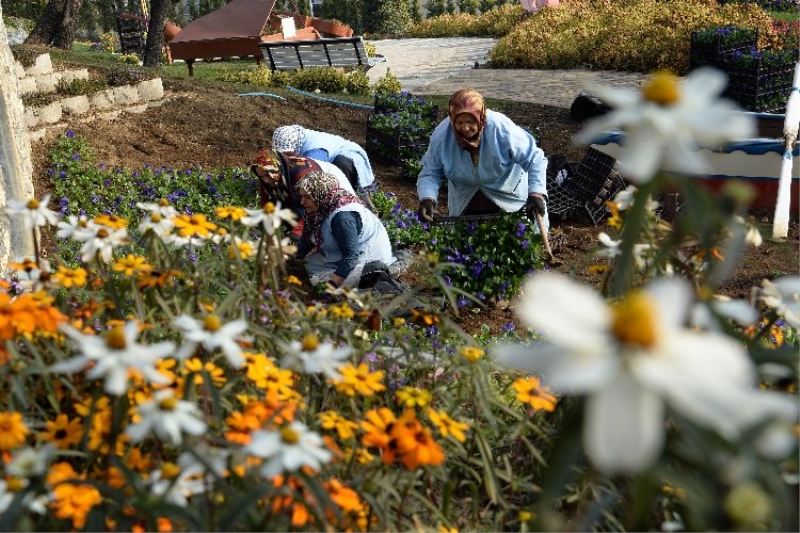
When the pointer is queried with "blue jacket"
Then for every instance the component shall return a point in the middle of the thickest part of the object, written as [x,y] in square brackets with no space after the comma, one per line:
[510,166]
[326,146]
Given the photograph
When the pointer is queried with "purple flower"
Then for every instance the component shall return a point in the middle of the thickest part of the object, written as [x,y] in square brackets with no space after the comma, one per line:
[70,134]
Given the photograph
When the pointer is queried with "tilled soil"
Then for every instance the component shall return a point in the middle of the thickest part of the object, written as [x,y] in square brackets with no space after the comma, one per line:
[213,126]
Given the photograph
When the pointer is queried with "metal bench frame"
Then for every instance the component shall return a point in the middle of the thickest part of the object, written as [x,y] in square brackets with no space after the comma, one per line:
[325,52]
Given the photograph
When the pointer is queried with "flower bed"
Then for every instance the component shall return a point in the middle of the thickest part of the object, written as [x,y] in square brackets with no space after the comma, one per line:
[399,129]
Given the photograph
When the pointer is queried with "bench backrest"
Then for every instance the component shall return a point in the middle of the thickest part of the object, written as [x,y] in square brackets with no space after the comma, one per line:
[299,54]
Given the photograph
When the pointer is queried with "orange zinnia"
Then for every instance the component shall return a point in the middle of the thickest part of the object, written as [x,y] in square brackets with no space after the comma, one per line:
[530,391]
[13,430]
[415,445]
[377,426]
[62,431]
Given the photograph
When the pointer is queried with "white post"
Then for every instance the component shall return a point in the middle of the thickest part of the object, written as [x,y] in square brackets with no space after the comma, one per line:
[780,223]
[16,165]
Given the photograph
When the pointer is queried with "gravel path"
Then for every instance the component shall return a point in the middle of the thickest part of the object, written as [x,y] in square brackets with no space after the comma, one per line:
[442,66]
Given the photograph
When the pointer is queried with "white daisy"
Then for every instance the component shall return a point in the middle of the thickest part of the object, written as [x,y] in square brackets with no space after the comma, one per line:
[176,491]
[175,241]
[211,334]
[288,449]
[162,208]
[29,462]
[157,223]
[114,355]
[34,213]
[708,314]
[270,217]
[76,228]
[101,242]
[311,357]
[783,295]
[167,417]
[612,248]
[668,120]
[630,359]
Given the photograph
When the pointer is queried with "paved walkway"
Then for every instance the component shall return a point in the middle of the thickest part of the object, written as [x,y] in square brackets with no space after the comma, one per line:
[442,66]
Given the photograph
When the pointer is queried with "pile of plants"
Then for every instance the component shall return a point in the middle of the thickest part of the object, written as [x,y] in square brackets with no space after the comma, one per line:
[399,130]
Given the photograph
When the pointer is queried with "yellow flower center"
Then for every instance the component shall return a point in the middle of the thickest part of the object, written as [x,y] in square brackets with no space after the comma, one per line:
[170,470]
[212,323]
[168,404]
[289,436]
[102,233]
[310,343]
[32,204]
[634,321]
[14,484]
[163,202]
[115,338]
[269,208]
[155,217]
[662,88]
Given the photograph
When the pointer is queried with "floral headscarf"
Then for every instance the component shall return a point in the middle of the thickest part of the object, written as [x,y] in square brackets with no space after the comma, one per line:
[283,173]
[288,138]
[326,192]
[468,101]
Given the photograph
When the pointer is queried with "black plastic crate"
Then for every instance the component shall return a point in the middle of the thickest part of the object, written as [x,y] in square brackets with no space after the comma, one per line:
[597,208]
[561,204]
[594,173]
[396,146]
[713,53]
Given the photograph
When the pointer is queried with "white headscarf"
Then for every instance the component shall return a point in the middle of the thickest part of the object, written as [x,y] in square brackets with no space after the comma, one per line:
[288,138]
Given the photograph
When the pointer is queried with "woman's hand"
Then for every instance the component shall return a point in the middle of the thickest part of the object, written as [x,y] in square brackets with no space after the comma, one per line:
[535,206]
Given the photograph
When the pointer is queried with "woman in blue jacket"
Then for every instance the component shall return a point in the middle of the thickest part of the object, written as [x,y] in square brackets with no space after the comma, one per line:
[490,163]
[347,155]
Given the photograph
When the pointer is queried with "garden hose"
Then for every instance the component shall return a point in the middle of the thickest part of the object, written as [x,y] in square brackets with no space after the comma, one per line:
[340,102]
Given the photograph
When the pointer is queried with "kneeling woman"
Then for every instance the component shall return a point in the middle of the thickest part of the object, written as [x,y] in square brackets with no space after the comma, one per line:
[340,234]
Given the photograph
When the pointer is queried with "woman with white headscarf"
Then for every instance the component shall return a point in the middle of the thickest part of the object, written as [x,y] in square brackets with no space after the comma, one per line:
[345,154]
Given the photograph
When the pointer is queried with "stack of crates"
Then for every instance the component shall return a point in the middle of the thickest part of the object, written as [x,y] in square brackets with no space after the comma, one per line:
[131,30]
[584,191]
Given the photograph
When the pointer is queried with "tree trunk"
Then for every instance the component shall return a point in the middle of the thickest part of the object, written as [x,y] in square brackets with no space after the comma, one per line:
[155,33]
[66,34]
[56,26]
[48,24]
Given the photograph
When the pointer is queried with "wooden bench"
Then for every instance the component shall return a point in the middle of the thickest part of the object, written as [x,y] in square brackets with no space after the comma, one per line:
[324,52]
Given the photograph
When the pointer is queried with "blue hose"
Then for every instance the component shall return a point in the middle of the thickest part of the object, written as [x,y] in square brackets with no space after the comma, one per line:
[263,94]
[312,95]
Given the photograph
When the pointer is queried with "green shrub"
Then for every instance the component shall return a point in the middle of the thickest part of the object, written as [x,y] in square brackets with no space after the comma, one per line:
[357,82]
[128,59]
[279,78]
[260,76]
[324,79]
[25,55]
[494,23]
[37,99]
[125,76]
[635,35]
[79,86]
[387,83]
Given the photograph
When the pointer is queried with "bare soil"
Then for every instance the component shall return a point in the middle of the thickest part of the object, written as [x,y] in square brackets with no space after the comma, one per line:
[213,126]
